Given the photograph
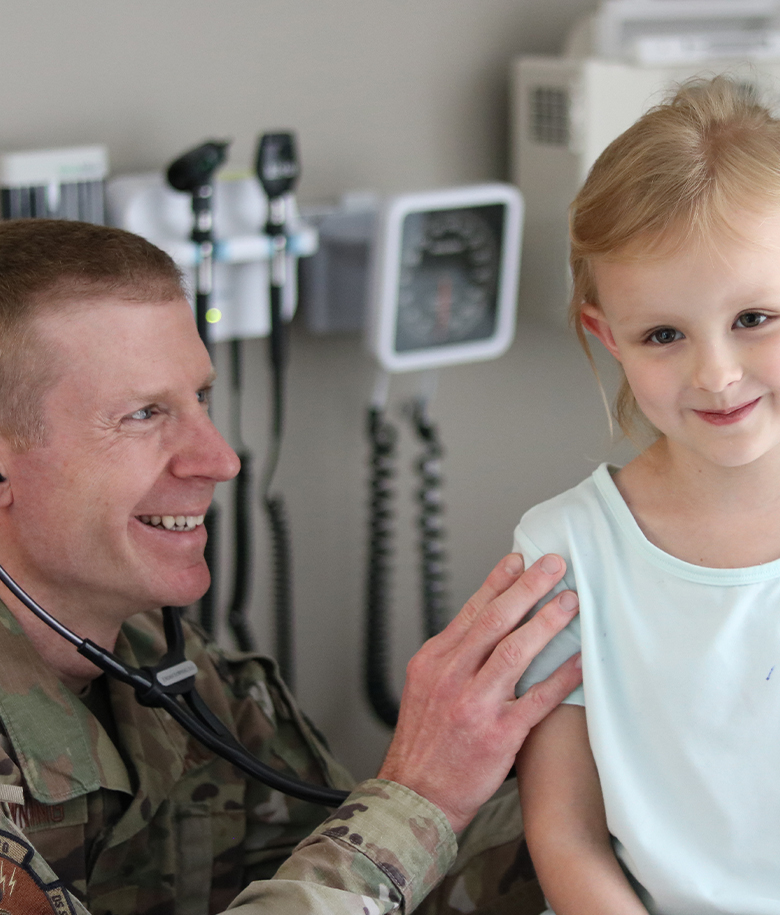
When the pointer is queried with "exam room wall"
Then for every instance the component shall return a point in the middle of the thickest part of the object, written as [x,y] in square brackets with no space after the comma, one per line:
[386,95]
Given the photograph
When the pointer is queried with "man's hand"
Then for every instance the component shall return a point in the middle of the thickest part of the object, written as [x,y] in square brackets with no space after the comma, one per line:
[460,725]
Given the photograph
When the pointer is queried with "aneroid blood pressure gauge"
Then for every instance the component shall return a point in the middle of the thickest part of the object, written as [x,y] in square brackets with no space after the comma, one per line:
[445,277]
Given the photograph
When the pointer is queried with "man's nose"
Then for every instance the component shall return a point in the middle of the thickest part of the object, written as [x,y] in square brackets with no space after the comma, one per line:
[203,452]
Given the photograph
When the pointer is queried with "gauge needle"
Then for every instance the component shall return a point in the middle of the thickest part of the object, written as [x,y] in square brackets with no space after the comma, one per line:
[443,303]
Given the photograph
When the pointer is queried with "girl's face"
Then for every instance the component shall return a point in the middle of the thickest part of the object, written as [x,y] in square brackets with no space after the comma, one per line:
[698,336]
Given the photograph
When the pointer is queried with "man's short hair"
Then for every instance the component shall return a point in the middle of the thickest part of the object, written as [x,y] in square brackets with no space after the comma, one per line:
[51,264]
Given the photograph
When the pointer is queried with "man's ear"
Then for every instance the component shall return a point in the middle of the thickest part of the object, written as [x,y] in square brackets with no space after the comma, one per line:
[6,493]
[594,322]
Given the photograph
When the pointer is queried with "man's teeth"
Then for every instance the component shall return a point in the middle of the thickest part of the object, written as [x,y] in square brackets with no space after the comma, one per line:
[173,522]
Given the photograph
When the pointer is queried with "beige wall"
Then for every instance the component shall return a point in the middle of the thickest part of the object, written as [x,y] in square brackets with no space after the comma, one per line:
[388,95]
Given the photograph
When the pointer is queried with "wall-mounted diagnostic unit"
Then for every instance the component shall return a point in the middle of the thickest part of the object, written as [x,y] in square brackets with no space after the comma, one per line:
[242,251]
[54,183]
[445,277]
[443,291]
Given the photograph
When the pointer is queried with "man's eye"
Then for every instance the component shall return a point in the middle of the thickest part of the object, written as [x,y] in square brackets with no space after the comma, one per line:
[664,335]
[204,396]
[750,319]
[143,413]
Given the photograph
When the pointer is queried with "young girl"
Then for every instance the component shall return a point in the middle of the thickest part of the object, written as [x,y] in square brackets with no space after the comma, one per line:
[656,788]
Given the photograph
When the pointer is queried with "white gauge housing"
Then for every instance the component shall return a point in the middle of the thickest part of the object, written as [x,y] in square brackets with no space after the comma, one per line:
[445,277]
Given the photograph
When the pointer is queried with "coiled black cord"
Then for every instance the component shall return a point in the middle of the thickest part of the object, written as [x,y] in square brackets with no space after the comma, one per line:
[433,557]
[206,609]
[274,505]
[384,439]
[242,562]
[242,514]
[282,587]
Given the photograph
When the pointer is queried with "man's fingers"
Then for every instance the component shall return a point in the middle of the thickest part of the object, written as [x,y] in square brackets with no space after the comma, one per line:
[478,632]
[513,654]
[458,711]
[543,697]
[507,610]
[502,577]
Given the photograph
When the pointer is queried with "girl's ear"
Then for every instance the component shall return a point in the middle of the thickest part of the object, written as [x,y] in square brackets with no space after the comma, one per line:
[594,322]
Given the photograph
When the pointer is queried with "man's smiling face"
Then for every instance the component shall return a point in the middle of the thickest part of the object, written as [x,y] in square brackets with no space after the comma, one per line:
[107,514]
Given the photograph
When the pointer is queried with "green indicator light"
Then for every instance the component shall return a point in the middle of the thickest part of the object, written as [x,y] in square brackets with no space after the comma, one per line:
[213,315]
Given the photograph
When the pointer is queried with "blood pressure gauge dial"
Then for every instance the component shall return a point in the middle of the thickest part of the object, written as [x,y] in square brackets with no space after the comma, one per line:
[445,277]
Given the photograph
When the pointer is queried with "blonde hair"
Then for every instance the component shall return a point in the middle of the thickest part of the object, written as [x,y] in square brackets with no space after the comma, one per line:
[677,175]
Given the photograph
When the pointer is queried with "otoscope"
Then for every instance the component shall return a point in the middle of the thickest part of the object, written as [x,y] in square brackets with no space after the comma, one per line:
[193,173]
[162,686]
[278,170]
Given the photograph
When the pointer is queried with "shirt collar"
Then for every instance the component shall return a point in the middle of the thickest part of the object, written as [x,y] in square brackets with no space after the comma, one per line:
[61,748]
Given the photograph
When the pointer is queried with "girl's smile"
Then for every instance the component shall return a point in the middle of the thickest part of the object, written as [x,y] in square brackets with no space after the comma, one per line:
[698,335]
[727,417]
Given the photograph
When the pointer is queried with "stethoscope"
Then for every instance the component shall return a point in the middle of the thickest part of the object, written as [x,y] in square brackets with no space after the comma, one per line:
[170,681]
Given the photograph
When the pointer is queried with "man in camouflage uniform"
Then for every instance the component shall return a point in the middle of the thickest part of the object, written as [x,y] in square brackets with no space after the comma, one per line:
[108,461]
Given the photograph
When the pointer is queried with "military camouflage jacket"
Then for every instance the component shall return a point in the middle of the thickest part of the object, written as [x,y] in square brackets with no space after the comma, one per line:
[133,817]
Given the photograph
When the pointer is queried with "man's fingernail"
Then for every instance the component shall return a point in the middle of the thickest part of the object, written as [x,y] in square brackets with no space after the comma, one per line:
[568,601]
[578,662]
[551,565]
[514,564]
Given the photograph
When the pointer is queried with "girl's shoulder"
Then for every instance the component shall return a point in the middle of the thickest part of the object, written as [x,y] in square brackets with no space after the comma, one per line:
[584,501]
[573,515]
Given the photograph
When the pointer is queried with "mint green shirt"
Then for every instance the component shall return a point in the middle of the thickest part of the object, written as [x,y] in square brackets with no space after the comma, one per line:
[681,685]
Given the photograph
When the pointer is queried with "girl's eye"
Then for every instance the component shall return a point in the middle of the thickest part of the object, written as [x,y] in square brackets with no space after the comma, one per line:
[664,335]
[750,319]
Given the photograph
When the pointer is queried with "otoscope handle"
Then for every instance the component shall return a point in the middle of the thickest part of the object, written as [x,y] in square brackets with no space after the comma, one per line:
[193,172]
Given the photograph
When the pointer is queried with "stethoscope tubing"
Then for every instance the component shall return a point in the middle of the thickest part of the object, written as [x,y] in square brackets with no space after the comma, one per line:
[199,721]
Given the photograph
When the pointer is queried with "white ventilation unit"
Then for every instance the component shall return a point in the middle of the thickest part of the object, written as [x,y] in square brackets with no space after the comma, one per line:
[619,62]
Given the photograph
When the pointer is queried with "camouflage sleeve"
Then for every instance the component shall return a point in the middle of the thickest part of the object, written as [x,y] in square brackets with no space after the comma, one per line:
[383,851]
